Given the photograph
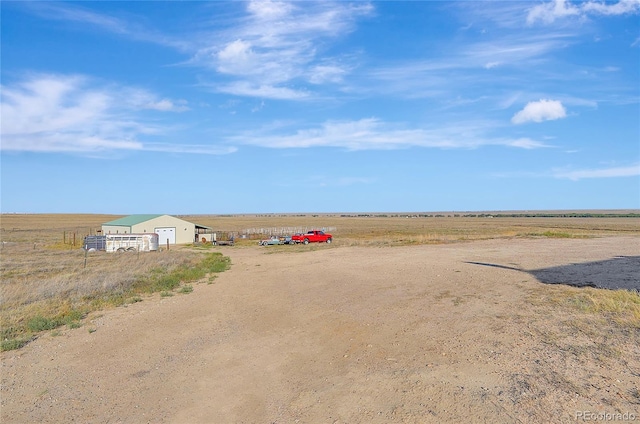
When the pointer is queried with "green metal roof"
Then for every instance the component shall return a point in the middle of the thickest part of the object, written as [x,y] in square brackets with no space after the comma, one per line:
[130,220]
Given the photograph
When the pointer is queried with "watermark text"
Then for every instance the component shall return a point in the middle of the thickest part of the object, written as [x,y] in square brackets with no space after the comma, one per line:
[605,416]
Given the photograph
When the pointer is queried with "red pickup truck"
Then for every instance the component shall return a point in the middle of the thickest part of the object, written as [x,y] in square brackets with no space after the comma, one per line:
[314,236]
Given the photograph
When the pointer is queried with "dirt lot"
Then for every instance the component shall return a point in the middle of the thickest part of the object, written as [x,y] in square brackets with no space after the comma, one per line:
[455,333]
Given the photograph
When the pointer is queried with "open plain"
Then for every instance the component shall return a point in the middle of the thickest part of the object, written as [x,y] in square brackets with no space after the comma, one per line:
[400,320]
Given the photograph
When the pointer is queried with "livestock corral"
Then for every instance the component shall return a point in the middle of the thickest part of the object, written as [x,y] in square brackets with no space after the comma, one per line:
[403,318]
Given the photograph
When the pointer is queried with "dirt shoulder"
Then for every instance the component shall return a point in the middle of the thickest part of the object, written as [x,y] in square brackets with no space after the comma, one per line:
[343,335]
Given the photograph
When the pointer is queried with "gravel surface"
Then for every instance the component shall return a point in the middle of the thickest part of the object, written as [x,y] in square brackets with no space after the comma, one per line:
[415,334]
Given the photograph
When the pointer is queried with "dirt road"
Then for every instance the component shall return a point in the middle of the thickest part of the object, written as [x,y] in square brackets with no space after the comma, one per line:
[341,335]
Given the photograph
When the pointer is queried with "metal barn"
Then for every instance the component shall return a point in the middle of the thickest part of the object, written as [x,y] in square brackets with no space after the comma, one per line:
[169,228]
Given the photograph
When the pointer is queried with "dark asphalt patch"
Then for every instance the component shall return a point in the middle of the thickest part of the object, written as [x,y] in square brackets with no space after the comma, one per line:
[620,272]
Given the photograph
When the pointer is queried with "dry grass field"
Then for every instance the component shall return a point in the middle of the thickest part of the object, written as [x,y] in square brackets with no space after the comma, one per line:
[406,229]
[46,274]
[402,319]
[392,229]
[48,281]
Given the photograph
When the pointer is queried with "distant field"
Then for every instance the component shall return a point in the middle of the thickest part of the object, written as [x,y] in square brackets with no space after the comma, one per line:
[351,229]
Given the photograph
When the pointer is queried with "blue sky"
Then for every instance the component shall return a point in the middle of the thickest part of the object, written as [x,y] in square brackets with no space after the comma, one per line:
[274,107]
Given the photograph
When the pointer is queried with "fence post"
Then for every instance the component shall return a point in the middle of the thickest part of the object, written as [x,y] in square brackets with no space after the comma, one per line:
[167,244]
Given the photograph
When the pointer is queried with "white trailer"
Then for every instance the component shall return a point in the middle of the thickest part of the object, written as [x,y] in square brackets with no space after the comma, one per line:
[147,242]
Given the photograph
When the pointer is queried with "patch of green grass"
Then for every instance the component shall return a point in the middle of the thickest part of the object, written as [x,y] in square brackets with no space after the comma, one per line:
[557,234]
[156,280]
[216,262]
[40,323]
[16,343]
[554,234]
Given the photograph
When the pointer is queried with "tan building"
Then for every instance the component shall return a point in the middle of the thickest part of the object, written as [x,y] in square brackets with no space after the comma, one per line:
[169,228]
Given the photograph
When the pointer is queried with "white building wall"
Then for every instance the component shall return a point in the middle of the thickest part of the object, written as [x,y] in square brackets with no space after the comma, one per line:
[184,231]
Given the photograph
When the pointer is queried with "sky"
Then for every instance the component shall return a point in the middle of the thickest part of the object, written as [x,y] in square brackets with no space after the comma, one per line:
[232,107]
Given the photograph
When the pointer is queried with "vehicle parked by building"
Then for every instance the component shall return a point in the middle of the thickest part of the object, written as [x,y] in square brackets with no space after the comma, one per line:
[313,236]
[275,240]
[288,240]
[147,242]
[270,241]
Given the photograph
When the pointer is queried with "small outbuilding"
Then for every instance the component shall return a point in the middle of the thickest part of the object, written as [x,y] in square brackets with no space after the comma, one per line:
[170,229]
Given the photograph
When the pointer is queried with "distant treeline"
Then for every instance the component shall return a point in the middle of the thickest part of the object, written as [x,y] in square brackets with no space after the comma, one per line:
[500,215]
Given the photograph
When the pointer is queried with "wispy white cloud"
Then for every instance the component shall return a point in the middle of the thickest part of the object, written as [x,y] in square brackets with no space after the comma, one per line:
[457,69]
[549,12]
[278,43]
[251,89]
[373,134]
[542,110]
[68,12]
[612,172]
[167,105]
[74,13]
[135,98]
[327,73]
[199,149]
[526,143]
[71,113]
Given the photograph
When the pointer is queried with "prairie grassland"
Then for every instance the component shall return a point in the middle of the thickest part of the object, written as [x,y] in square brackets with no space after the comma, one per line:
[403,230]
[46,281]
[45,276]
[44,288]
[601,308]
[393,229]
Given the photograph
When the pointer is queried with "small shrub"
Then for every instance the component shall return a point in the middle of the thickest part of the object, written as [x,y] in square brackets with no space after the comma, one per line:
[186,289]
[13,344]
[40,323]
[73,316]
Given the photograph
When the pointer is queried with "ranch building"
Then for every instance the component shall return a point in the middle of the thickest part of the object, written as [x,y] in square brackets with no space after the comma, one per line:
[170,229]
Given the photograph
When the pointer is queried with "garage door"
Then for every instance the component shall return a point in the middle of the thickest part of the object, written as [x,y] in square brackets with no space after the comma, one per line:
[166,234]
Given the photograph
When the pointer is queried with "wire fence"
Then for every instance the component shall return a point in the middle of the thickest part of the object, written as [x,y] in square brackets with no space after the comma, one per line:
[284,231]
